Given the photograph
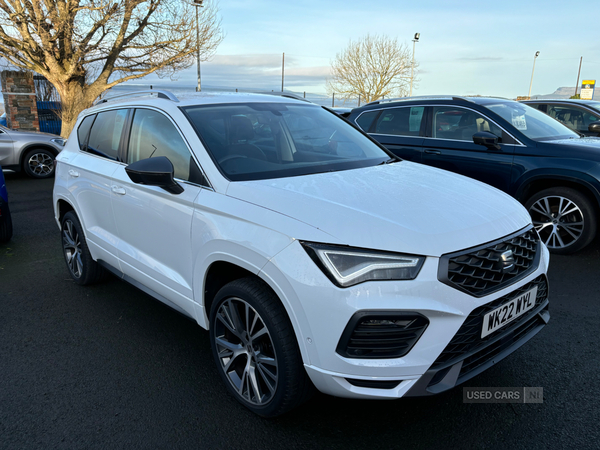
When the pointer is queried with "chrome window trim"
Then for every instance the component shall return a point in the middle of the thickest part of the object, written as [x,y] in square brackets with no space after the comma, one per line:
[518,142]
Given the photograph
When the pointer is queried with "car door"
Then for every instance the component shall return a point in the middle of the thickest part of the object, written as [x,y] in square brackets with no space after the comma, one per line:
[90,174]
[6,149]
[154,226]
[449,145]
[399,129]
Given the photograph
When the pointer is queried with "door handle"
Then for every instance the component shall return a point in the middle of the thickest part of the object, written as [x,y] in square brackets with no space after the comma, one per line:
[117,190]
[432,152]
[73,173]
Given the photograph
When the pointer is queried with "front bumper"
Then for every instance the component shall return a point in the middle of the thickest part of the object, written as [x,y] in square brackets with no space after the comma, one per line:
[321,311]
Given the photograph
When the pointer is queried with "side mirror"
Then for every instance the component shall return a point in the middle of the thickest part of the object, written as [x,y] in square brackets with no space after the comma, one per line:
[594,127]
[486,139]
[156,171]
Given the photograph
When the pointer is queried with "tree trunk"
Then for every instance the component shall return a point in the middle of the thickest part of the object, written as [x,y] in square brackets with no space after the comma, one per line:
[75,97]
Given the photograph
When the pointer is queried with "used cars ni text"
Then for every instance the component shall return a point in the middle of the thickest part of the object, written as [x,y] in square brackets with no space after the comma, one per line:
[311,254]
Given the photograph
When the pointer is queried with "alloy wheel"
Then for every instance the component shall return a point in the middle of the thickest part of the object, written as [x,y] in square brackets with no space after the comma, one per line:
[72,248]
[245,351]
[40,164]
[558,220]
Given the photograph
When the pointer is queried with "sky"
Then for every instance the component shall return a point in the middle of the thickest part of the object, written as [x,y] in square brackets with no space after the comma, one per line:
[465,47]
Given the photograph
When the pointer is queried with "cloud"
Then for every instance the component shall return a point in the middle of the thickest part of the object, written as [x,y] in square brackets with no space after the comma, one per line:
[262,61]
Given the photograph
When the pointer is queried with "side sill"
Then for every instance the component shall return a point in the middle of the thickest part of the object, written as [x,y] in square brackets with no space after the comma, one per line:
[144,289]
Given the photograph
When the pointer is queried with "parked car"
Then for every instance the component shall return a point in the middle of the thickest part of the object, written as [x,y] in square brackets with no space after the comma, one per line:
[548,167]
[582,116]
[3,119]
[29,151]
[310,253]
[6,229]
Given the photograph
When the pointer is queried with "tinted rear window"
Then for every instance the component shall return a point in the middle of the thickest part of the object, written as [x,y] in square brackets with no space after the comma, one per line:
[106,133]
[84,130]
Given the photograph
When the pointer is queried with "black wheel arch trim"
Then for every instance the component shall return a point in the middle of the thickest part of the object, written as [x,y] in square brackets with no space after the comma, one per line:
[584,180]
[41,146]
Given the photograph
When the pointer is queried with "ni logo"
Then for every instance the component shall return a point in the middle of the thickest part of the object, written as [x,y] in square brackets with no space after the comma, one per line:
[507,260]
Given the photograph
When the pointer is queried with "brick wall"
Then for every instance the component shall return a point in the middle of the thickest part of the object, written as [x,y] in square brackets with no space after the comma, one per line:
[20,102]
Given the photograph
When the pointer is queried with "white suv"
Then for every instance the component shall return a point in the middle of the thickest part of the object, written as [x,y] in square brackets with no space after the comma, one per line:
[311,254]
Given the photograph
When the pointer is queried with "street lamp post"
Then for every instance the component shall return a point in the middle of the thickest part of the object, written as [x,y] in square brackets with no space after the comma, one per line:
[412,66]
[198,4]
[531,83]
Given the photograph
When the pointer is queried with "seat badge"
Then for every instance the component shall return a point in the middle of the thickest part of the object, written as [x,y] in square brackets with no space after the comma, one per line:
[508,260]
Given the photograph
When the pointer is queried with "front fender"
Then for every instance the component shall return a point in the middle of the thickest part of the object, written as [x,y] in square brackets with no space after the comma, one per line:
[570,176]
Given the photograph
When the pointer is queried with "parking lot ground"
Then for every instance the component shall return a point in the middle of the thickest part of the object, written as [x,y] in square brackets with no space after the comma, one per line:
[107,366]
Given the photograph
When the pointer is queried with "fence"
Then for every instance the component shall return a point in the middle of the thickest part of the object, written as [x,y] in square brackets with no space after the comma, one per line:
[48,105]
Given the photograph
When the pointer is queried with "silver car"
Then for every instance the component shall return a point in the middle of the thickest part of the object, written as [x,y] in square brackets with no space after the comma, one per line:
[30,151]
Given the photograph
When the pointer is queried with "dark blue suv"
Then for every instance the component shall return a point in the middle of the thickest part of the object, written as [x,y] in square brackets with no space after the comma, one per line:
[5,219]
[549,168]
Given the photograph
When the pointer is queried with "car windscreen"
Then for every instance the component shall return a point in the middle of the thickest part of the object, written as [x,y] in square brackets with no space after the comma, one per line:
[595,105]
[531,122]
[254,141]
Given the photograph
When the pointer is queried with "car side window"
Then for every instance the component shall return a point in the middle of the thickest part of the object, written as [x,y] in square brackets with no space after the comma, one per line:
[460,124]
[153,134]
[106,133]
[84,130]
[574,118]
[404,121]
[365,120]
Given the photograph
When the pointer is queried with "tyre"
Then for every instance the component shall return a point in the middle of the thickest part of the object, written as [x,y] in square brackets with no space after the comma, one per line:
[6,229]
[39,163]
[564,218]
[255,349]
[82,268]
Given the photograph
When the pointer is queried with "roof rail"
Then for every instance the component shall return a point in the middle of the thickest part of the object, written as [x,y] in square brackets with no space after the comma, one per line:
[159,93]
[422,97]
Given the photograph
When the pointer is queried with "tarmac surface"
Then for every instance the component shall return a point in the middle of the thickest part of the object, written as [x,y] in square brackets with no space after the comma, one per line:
[107,366]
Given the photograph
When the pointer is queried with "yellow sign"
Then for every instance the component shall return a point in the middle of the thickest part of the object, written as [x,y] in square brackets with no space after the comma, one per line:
[587,89]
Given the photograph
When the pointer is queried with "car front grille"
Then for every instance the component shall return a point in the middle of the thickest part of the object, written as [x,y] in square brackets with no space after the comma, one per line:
[469,346]
[486,269]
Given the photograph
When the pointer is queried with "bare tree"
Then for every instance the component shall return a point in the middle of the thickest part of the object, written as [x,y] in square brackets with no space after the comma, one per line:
[372,67]
[84,47]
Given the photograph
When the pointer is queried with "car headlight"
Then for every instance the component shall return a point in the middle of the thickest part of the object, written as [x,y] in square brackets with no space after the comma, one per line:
[59,141]
[346,266]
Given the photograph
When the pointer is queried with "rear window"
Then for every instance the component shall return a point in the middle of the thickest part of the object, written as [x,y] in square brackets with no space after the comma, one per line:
[106,133]
[404,121]
[365,120]
[84,130]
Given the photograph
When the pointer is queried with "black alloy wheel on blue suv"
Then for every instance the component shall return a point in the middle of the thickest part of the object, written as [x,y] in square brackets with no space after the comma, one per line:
[552,170]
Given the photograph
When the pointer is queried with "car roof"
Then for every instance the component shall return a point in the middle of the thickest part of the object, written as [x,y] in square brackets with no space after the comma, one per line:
[478,100]
[564,100]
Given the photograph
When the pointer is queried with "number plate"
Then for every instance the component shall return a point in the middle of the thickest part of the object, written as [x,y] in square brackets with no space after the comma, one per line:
[508,312]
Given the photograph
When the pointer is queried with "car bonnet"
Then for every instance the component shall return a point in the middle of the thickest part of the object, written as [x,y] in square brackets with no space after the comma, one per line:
[401,207]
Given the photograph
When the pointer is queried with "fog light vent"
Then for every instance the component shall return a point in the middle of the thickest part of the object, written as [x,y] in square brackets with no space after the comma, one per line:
[374,384]
[381,334]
